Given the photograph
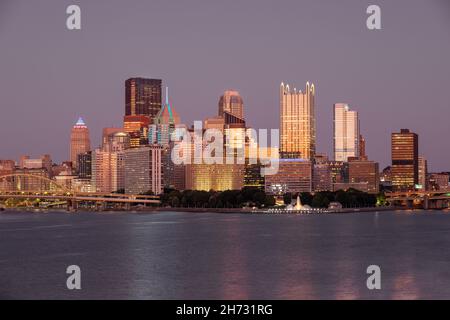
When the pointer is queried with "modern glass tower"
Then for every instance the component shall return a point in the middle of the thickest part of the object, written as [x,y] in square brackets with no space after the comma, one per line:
[143,97]
[297,122]
[405,160]
[346,137]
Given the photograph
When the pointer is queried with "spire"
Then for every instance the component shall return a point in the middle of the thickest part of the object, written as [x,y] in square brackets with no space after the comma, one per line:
[80,123]
[167,95]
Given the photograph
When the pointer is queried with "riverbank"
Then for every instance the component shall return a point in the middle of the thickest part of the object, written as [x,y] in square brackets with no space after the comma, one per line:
[217,210]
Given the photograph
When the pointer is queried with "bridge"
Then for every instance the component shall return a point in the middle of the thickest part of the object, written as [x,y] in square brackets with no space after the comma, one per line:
[24,186]
[424,199]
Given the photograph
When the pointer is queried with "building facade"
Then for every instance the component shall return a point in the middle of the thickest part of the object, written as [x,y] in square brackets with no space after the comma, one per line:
[294,176]
[143,97]
[405,160]
[231,102]
[143,170]
[365,171]
[297,122]
[346,136]
[79,141]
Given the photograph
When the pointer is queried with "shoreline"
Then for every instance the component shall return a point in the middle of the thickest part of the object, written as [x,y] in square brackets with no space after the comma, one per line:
[149,210]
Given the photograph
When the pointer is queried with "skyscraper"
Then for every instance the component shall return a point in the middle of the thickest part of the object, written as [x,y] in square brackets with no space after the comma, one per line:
[297,122]
[231,102]
[164,124]
[79,141]
[405,160]
[346,132]
[423,173]
[142,97]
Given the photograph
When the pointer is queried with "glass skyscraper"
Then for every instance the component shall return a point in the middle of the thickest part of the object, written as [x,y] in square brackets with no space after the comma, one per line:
[297,122]
[346,137]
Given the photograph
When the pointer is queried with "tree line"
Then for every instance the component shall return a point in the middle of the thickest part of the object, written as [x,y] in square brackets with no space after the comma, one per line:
[255,197]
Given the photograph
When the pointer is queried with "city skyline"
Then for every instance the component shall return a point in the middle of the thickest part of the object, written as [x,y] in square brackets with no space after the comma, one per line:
[360,72]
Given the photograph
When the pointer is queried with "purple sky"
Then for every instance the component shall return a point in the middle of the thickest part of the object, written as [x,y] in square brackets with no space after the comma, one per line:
[398,77]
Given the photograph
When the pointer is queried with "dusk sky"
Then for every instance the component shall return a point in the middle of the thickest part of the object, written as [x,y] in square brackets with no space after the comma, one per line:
[397,77]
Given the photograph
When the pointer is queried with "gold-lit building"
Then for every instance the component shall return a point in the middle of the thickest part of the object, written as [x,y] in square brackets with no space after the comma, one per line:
[137,128]
[297,122]
[405,160]
[217,177]
[79,141]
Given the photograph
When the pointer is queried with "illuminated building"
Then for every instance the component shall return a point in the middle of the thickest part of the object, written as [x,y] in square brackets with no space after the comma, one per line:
[294,176]
[439,181]
[137,128]
[143,170]
[423,173]
[364,171]
[217,177]
[79,141]
[346,132]
[405,160]
[118,141]
[339,171]
[28,183]
[143,97]
[297,122]
[107,171]
[106,133]
[322,177]
[6,167]
[231,102]
[85,165]
[164,124]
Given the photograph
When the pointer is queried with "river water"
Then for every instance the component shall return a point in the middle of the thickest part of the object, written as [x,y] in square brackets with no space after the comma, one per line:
[225,256]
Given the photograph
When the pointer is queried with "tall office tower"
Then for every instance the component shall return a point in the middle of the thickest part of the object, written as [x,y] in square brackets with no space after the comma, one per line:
[84,168]
[423,173]
[79,141]
[231,102]
[346,132]
[107,171]
[143,97]
[164,124]
[143,170]
[405,160]
[364,171]
[297,122]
